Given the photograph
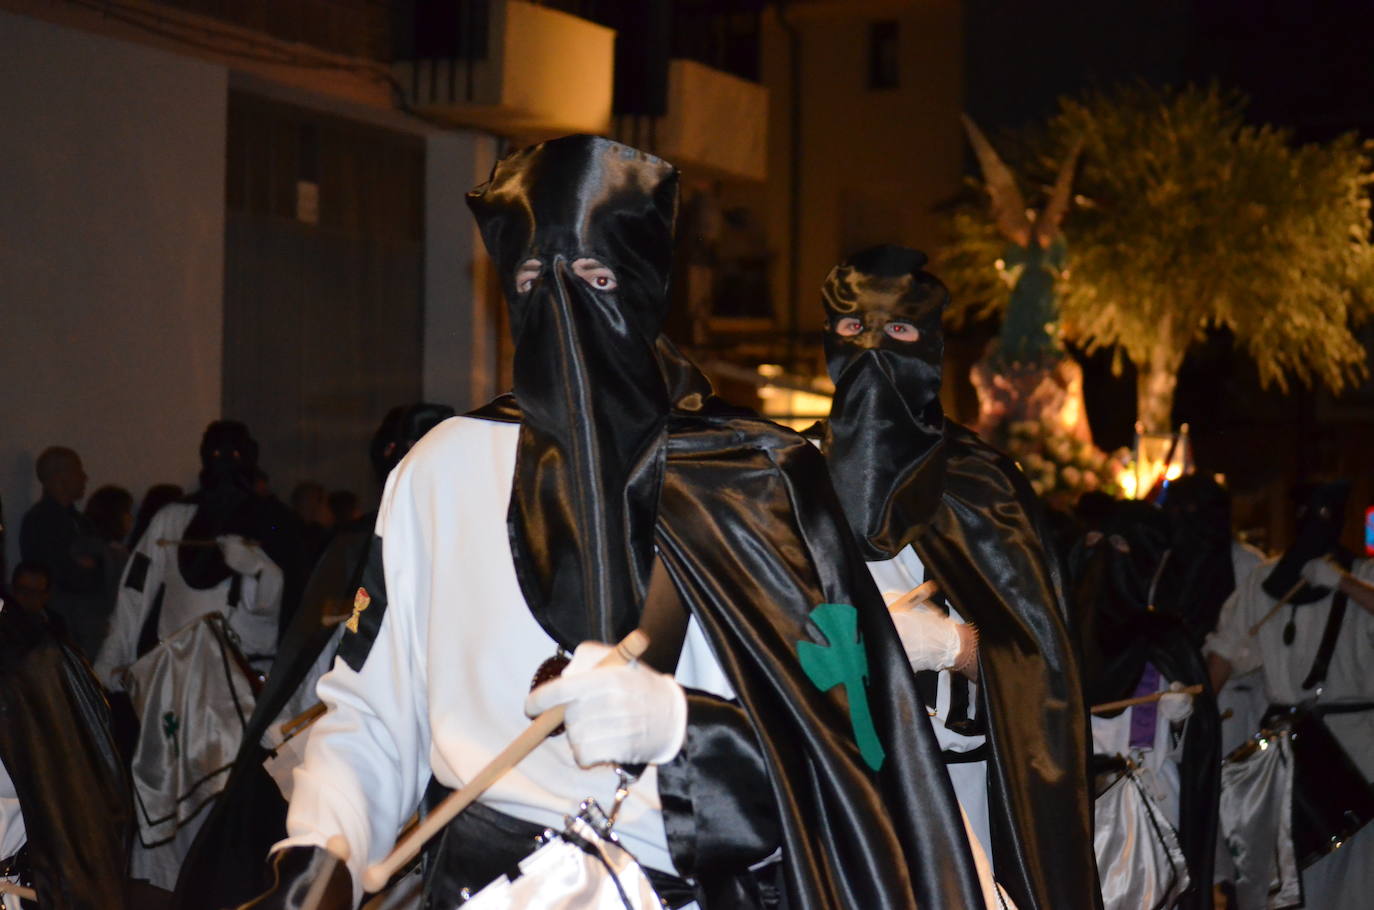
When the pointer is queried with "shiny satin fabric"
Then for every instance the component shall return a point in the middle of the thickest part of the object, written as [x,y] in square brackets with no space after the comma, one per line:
[1321,513]
[294,872]
[1139,859]
[183,758]
[905,475]
[1256,822]
[589,457]
[1117,636]
[55,743]
[578,870]
[985,547]
[225,867]
[885,438]
[754,540]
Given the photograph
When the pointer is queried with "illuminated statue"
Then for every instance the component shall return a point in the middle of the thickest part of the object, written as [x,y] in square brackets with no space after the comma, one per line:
[1025,374]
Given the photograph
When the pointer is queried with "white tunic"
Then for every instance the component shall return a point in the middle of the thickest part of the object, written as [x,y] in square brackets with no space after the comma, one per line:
[254,620]
[443,687]
[894,578]
[1345,879]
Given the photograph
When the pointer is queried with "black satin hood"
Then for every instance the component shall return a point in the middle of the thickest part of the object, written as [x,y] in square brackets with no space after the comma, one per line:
[1203,573]
[591,388]
[1321,513]
[885,438]
[224,503]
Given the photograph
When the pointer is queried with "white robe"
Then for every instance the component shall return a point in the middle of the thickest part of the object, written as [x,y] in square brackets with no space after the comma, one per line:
[253,620]
[442,689]
[894,578]
[1345,879]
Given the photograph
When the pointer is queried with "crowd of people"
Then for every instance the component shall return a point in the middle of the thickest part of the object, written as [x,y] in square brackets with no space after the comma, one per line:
[874,676]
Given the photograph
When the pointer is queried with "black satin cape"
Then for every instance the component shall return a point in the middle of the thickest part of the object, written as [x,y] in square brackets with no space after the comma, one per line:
[754,540]
[907,476]
[1118,635]
[984,546]
[56,745]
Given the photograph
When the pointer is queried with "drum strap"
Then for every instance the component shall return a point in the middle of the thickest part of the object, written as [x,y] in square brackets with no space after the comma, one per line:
[1317,675]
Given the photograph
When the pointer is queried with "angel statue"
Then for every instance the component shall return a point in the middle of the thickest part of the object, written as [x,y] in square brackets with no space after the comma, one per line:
[1025,373]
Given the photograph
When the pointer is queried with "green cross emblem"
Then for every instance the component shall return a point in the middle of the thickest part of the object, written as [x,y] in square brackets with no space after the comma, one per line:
[844,662]
[169,730]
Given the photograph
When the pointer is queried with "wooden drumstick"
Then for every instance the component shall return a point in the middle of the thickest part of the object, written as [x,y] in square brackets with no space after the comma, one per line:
[1254,630]
[915,597]
[377,875]
[337,848]
[1109,707]
[23,893]
[303,719]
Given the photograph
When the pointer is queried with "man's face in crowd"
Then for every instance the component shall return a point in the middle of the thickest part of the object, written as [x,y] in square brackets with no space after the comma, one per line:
[68,481]
[30,590]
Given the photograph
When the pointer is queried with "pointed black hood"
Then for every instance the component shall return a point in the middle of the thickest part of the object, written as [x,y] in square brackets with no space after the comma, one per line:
[581,230]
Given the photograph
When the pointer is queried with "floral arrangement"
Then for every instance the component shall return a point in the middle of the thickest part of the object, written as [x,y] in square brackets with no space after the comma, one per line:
[1062,467]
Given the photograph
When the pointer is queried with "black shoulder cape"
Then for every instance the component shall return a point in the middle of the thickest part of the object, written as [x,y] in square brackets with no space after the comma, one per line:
[55,742]
[985,545]
[755,541]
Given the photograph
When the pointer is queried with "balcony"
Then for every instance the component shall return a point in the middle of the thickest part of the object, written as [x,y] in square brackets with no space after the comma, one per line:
[507,67]
[716,123]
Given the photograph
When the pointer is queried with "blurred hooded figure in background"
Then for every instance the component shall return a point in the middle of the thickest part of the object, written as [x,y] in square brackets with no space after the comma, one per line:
[1132,647]
[1306,621]
[220,551]
[788,758]
[927,499]
[224,867]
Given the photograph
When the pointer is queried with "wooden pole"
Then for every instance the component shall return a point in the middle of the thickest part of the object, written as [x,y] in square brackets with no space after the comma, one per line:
[1109,707]
[27,894]
[303,719]
[1283,601]
[376,876]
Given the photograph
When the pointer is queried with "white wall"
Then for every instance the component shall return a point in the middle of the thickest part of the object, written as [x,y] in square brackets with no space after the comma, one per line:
[460,343]
[111,257]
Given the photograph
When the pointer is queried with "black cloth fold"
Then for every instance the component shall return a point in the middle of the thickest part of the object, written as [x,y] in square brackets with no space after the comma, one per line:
[55,743]
[754,539]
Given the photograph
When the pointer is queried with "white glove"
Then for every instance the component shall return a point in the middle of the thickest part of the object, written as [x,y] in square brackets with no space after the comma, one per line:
[930,638]
[626,715]
[1323,573]
[1175,705]
[241,556]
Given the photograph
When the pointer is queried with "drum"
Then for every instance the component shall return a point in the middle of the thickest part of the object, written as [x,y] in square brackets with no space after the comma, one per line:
[1331,798]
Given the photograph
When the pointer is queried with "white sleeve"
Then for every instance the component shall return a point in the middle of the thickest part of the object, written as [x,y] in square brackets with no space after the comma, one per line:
[367,761]
[138,588]
[1231,640]
[265,596]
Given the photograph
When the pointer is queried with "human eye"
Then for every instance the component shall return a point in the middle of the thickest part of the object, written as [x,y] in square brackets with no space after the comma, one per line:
[526,275]
[849,326]
[595,274]
[902,331]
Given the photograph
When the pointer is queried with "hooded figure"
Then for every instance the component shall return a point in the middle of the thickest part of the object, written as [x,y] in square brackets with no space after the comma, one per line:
[1201,571]
[1306,621]
[1131,646]
[224,867]
[59,769]
[221,550]
[788,755]
[907,477]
